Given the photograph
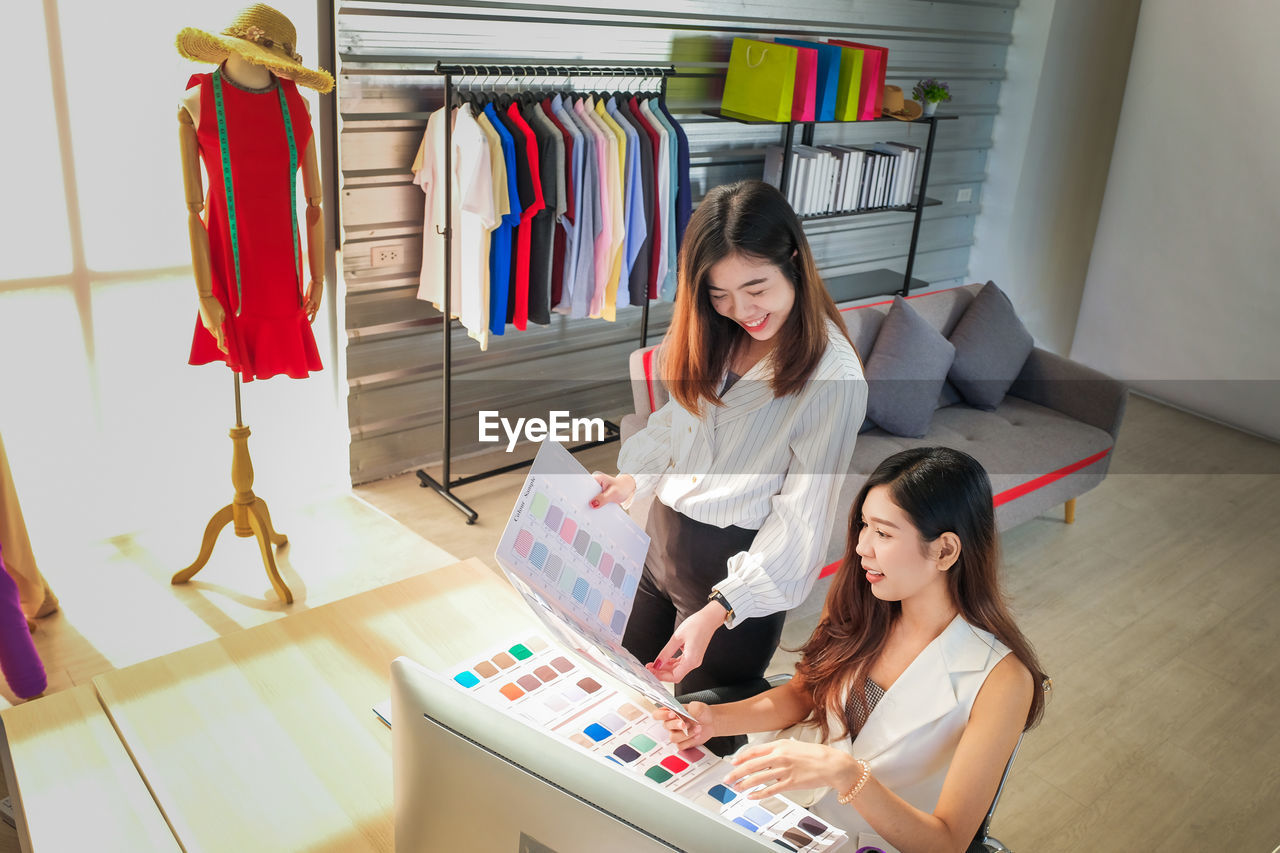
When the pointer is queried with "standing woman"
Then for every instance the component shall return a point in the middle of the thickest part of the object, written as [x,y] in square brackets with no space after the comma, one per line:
[747,458]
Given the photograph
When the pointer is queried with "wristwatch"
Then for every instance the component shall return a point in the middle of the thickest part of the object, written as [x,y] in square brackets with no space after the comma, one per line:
[718,597]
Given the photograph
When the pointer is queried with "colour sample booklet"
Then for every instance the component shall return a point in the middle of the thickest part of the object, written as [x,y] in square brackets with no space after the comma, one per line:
[578,567]
[540,684]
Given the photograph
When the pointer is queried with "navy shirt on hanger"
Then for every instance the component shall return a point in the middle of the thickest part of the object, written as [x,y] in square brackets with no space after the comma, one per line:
[684,198]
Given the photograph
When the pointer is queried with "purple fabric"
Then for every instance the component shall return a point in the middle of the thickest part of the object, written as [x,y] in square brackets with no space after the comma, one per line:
[18,656]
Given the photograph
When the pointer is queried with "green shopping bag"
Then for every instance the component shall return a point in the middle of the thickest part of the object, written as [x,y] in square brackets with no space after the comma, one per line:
[851,60]
[761,80]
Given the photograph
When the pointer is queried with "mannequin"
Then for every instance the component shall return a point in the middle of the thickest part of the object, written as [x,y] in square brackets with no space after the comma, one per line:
[249,76]
[250,128]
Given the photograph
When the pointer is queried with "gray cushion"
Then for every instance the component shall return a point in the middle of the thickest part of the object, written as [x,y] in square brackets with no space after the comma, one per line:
[905,372]
[991,346]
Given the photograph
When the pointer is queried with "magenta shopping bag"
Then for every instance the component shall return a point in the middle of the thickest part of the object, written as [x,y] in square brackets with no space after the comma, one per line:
[804,101]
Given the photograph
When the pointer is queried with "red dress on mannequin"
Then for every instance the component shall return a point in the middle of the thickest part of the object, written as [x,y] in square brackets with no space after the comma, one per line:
[266,327]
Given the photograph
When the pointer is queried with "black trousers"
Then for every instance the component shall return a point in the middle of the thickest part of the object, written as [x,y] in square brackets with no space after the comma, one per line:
[686,558]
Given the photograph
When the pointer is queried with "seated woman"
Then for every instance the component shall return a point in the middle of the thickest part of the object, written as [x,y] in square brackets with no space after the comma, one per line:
[913,690]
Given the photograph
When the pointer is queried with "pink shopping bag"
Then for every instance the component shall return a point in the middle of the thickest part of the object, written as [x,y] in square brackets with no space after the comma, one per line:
[804,101]
[871,96]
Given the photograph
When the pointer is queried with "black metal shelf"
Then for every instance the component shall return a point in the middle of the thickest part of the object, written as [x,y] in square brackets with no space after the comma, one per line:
[860,285]
[743,119]
[874,282]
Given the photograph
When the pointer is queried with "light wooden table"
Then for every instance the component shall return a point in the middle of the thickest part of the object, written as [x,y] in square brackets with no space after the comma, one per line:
[265,739]
[77,786]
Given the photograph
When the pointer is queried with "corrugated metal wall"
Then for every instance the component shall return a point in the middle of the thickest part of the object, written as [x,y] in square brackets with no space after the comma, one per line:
[394,343]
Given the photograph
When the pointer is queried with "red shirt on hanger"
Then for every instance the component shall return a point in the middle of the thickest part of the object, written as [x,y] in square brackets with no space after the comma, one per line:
[521,314]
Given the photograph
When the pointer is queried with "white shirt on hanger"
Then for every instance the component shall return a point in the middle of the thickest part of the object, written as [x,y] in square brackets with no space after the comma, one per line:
[501,207]
[474,216]
[667,286]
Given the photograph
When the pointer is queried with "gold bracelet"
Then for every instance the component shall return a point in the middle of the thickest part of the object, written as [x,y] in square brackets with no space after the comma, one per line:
[844,798]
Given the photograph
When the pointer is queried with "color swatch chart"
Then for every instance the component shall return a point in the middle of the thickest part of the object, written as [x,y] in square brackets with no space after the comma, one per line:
[607,655]
[536,681]
[577,567]
[585,562]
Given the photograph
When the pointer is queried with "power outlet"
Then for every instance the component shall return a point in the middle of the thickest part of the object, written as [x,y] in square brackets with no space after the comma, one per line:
[385,256]
[964,195]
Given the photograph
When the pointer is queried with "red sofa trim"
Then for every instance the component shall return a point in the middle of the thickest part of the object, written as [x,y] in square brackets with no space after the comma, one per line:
[1040,482]
[648,376]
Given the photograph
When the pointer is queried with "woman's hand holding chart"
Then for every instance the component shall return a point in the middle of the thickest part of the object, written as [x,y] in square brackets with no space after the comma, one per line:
[578,567]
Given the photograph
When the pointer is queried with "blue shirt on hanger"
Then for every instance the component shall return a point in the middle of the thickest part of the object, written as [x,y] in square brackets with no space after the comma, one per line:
[590,218]
[500,245]
[637,229]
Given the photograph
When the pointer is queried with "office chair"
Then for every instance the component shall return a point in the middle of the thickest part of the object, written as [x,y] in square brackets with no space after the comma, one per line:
[983,842]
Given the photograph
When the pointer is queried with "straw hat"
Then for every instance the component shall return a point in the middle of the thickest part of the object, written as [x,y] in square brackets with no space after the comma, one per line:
[895,106]
[261,35]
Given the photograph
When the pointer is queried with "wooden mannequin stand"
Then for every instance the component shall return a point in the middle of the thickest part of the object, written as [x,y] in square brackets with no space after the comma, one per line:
[247,511]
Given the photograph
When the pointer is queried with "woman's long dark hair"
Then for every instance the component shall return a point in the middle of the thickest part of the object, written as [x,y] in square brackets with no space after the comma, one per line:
[941,490]
[753,219]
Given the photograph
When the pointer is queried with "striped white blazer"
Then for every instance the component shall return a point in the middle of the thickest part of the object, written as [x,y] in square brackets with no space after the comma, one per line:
[775,465]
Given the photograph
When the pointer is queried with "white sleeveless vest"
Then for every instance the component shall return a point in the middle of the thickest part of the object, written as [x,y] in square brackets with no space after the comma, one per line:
[911,735]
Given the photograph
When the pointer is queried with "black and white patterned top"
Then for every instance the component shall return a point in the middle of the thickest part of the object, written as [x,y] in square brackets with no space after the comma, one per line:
[855,717]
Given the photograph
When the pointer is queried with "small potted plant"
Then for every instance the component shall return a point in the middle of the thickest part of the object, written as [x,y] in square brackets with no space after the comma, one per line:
[929,92]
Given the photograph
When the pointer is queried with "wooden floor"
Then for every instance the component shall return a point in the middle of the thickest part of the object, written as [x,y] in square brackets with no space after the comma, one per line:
[118,608]
[1155,614]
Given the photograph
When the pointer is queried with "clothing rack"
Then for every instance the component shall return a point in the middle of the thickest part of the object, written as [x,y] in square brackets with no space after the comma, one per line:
[446,484]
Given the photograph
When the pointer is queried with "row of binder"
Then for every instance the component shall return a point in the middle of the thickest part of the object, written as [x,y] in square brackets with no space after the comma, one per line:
[829,179]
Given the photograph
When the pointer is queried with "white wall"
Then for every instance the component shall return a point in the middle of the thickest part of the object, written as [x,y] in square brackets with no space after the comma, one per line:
[1047,169]
[1181,296]
[104,422]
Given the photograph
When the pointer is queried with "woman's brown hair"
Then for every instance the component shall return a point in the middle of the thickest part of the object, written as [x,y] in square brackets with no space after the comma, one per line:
[753,219]
[940,490]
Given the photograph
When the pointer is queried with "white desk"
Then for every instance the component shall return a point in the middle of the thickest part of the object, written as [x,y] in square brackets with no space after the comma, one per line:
[72,781]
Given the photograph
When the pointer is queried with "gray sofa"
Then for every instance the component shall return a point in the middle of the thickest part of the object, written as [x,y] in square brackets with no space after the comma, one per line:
[1047,442]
